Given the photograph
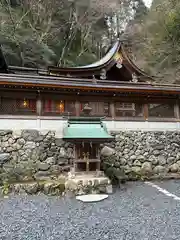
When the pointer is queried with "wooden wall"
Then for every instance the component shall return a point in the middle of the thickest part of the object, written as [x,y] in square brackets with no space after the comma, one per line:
[129,108]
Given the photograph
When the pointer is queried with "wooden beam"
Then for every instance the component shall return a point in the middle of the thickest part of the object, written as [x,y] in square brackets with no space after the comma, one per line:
[17,94]
[56,85]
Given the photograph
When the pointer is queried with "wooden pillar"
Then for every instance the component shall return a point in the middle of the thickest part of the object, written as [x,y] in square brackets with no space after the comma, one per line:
[176,110]
[112,110]
[39,106]
[145,112]
[87,165]
[75,152]
[77,108]
[98,166]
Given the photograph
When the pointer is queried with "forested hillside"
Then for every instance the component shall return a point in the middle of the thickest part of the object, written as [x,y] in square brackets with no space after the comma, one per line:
[155,39]
[37,33]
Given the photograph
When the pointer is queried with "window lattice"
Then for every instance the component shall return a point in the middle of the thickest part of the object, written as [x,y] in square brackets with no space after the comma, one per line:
[17,106]
[98,108]
[161,110]
[58,107]
[128,109]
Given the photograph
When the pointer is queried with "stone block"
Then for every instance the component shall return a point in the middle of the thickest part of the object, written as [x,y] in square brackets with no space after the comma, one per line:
[137,163]
[161,160]
[123,161]
[5,132]
[107,151]
[133,157]
[65,168]
[59,142]
[103,181]
[71,185]
[141,158]
[50,160]
[146,167]
[62,161]
[174,168]
[42,176]
[31,188]
[62,152]
[16,146]
[21,141]
[159,169]
[156,152]
[170,160]
[55,169]
[102,188]
[30,135]
[109,189]
[4,157]
[136,169]
[43,166]
[30,145]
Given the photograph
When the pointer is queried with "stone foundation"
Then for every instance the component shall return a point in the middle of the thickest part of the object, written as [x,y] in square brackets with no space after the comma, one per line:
[53,187]
[33,162]
[87,183]
[61,186]
[143,155]
[34,156]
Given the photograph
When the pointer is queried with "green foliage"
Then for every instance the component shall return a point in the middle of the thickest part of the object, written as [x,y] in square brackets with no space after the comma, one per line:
[156,40]
[38,33]
[116,175]
[5,188]
[133,176]
[173,25]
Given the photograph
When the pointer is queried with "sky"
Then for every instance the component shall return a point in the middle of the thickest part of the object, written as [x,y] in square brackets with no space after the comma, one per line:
[148,3]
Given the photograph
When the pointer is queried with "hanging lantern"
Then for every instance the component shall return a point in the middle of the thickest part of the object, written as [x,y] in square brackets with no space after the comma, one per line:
[61,106]
[25,103]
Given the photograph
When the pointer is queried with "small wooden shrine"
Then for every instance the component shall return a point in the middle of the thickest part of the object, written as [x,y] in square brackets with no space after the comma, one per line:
[86,133]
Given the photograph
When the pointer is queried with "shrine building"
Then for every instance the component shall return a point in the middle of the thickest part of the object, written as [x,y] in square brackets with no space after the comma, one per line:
[114,88]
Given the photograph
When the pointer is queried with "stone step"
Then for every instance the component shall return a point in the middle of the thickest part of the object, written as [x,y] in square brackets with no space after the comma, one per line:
[86,183]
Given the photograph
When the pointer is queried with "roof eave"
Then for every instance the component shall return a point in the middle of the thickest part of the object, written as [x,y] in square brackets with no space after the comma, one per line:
[148,88]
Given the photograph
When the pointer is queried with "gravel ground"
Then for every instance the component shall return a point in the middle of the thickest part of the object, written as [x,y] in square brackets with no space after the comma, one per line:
[137,211]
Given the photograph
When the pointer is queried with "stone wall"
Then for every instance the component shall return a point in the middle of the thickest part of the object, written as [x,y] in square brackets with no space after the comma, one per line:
[32,155]
[136,154]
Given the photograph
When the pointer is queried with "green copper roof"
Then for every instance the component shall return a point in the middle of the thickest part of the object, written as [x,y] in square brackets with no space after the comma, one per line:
[86,130]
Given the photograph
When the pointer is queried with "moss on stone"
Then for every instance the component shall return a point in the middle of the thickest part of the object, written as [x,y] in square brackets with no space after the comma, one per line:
[5,188]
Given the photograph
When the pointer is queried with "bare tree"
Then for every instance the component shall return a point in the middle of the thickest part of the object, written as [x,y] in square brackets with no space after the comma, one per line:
[46,31]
